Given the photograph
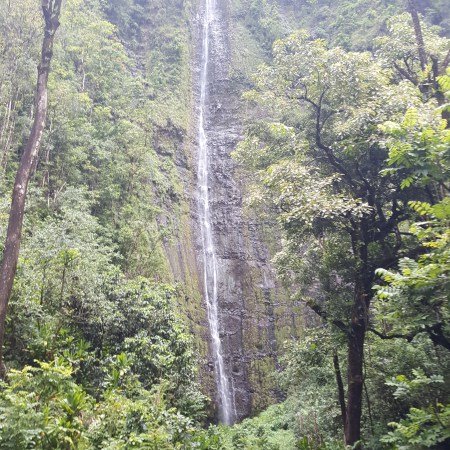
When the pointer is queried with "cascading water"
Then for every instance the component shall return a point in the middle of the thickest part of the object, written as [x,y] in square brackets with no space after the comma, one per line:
[226,410]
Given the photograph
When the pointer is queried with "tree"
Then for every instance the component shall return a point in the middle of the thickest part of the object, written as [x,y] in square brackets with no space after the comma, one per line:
[414,299]
[399,51]
[21,26]
[319,164]
[51,11]
[418,33]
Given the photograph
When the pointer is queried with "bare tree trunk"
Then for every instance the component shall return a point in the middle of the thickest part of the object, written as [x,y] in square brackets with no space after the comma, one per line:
[418,32]
[11,123]
[356,338]
[369,406]
[355,383]
[51,11]
[340,385]
[5,122]
[6,148]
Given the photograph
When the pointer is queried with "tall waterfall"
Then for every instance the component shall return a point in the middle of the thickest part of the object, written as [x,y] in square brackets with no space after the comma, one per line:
[226,412]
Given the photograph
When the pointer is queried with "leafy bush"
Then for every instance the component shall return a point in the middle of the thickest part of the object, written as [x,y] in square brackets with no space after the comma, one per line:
[44,408]
[421,429]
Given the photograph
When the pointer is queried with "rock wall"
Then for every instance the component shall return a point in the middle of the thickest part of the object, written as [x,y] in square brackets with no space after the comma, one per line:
[249,298]
[256,315]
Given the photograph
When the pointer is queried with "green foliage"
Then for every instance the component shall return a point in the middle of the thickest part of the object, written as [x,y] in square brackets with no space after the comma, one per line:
[399,45]
[89,302]
[312,181]
[76,298]
[309,379]
[418,146]
[99,355]
[347,148]
[444,84]
[121,341]
[352,24]
[306,444]
[355,24]
[268,431]
[20,23]
[415,299]
[44,408]
[421,429]
[263,20]
[113,128]
[414,388]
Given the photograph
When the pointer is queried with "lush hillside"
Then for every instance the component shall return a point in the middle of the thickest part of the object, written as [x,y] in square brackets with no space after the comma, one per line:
[338,145]
[93,321]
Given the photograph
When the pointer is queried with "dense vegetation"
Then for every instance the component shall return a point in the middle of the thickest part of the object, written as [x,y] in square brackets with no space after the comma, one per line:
[91,323]
[352,158]
[348,157]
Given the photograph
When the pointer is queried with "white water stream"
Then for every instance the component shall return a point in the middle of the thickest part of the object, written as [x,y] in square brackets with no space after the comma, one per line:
[226,410]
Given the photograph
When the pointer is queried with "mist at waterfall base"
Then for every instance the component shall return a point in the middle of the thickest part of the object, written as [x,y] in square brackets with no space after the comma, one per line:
[224,389]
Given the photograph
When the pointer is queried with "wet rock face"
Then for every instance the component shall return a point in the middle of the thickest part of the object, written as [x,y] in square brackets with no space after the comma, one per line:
[248,297]
[225,203]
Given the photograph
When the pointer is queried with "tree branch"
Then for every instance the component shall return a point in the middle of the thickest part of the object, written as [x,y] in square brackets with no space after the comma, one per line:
[446,61]
[340,386]
[408,337]
[324,315]
[405,74]
[332,158]
[434,332]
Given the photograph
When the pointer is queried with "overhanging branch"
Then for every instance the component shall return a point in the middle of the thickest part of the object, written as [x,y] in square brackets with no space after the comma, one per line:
[435,333]
[325,316]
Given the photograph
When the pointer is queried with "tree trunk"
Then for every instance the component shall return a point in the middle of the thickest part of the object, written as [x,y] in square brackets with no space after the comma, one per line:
[340,386]
[418,32]
[5,122]
[51,11]
[356,338]
[355,382]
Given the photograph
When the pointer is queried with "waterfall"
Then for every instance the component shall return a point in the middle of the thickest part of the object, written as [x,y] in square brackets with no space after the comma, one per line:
[210,268]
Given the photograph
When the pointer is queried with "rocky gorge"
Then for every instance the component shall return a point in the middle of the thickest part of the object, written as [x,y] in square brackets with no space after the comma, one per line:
[225,224]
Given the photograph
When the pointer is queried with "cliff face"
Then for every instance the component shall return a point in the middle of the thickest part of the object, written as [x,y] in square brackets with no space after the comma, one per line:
[254,313]
[247,286]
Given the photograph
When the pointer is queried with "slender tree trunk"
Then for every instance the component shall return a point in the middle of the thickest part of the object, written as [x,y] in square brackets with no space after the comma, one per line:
[340,386]
[51,11]
[369,406]
[6,147]
[5,122]
[356,338]
[10,133]
[355,383]
[418,32]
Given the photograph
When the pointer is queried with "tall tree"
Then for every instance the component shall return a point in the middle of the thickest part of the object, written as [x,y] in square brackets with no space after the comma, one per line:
[51,11]
[323,166]
[327,187]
